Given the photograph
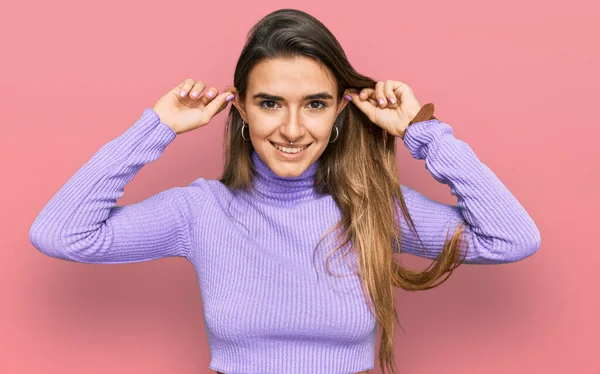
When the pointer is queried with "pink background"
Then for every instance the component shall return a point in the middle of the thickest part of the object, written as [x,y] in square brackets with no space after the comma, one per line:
[517,80]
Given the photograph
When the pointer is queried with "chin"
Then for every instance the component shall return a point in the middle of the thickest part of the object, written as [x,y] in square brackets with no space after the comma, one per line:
[287,170]
[290,167]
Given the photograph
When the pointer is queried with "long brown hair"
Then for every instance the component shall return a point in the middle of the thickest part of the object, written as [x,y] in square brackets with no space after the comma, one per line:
[368,193]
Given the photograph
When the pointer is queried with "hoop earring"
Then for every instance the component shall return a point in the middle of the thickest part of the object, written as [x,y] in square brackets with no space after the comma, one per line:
[337,133]
[245,125]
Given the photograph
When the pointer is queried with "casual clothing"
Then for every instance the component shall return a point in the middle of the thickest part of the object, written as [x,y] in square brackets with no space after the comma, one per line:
[266,310]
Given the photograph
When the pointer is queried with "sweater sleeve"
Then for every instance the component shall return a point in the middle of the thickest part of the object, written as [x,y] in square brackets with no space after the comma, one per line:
[497,228]
[82,222]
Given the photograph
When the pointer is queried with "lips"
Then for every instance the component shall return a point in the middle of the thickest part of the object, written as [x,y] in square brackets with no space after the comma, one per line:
[300,150]
[287,145]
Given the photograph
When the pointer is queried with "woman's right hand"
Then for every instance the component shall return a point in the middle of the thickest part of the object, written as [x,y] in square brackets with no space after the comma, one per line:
[186,113]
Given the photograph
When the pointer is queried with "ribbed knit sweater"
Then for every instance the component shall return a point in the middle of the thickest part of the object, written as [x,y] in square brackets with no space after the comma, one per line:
[266,308]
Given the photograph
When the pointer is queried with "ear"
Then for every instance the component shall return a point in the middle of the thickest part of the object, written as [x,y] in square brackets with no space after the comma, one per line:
[341,107]
[238,103]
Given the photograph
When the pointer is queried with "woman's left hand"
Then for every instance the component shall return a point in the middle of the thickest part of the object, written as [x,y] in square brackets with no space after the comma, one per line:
[391,105]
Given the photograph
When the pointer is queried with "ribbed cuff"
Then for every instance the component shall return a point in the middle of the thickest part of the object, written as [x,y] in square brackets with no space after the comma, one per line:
[419,136]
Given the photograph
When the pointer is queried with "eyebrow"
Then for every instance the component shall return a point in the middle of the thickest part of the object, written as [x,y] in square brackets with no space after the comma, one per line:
[321,95]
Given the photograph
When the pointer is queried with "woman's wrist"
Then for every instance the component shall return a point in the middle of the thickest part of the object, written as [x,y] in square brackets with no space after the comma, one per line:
[424,114]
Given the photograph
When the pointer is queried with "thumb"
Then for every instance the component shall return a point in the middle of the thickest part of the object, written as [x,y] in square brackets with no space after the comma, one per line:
[364,105]
[217,104]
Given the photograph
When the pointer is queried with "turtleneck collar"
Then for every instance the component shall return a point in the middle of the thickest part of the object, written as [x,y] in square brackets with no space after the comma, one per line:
[283,190]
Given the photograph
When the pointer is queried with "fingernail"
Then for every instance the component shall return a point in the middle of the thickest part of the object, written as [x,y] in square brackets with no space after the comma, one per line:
[210,94]
[381,101]
[229,98]
[348,97]
[182,93]
[194,94]
[392,100]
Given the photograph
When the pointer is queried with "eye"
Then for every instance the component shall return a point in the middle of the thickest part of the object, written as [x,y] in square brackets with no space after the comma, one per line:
[270,104]
[262,104]
[318,102]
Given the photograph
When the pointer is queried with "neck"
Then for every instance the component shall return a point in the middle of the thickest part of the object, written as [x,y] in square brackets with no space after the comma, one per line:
[283,190]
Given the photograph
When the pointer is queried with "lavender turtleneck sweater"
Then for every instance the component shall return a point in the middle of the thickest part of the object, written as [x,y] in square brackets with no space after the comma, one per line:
[265,308]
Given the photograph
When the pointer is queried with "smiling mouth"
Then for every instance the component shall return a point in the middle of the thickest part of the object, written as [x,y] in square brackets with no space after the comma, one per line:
[290,150]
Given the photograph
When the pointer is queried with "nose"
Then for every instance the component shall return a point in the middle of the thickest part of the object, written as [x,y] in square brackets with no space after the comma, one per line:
[291,127]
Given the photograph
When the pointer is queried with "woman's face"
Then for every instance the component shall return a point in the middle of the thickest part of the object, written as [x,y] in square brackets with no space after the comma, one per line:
[290,100]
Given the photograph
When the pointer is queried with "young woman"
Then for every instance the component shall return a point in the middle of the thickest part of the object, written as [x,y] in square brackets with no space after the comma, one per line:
[310,177]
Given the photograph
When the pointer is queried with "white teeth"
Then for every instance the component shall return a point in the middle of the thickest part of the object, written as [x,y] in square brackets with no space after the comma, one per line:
[289,150]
